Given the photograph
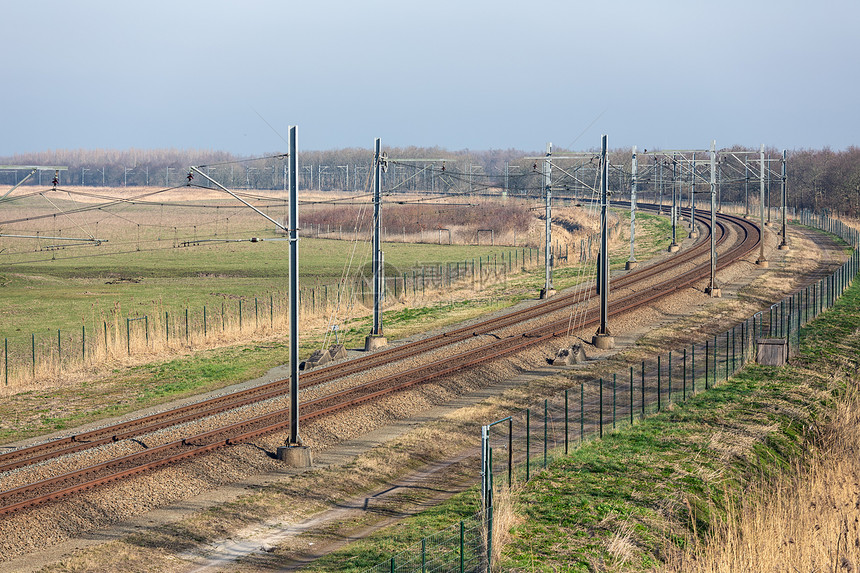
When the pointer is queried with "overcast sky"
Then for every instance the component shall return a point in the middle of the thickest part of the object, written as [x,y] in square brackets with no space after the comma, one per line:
[467,74]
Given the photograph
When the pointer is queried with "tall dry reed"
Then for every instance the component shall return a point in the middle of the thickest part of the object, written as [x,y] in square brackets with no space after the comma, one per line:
[804,520]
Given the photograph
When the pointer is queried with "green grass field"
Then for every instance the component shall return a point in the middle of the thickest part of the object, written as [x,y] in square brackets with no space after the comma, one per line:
[70,292]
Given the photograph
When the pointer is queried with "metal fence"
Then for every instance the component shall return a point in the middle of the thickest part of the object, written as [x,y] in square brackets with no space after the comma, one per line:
[519,446]
[459,548]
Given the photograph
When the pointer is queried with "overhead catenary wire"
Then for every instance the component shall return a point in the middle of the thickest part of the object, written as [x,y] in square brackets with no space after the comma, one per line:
[346,274]
[247,160]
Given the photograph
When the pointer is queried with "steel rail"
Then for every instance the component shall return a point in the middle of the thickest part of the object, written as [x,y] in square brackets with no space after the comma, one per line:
[143,425]
[340,400]
[124,430]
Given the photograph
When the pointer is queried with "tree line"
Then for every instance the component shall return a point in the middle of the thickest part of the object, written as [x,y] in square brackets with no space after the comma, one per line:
[820,179]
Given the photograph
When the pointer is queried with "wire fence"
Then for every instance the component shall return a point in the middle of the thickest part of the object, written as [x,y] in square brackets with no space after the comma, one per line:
[114,335]
[515,448]
[461,547]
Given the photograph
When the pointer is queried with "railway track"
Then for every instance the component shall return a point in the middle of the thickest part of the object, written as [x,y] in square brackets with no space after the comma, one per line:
[44,491]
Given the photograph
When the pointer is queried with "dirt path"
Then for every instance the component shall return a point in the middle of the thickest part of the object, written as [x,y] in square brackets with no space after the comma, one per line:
[355,519]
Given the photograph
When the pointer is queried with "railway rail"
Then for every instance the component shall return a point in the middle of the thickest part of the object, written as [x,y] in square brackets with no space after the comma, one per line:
[34,494]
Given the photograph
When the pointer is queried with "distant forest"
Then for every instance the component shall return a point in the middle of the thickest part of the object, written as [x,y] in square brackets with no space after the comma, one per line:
[821,179]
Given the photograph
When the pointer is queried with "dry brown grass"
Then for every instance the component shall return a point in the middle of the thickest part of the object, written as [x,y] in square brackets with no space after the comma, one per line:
[506,517]
[806,520]
[116,346]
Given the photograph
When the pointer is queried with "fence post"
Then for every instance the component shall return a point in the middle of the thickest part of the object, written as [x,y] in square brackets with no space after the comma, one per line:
[6,360]
[631,395]
[714,378]
[510,450]
[186,325]
[166,328]
[581,412]
[490,536]
[205,323]
[59,352]
[614,397]
[462,547]
[707,367]
[659,385]
[643,388]
[684,377]
[733,349]
[566,422]
[670,377]
[528,444]
[33,350]
[693,366]
[83,343]
[600,409]
[128,335]
[545,426]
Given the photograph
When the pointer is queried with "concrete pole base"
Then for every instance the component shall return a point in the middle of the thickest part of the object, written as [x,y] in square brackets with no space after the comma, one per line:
[603,341]
[715,292]
[783,246]
[546,293]
[674,248]
[373,342]
[762,263]
[296,456]
[769,224]
[693,235]
[631,264]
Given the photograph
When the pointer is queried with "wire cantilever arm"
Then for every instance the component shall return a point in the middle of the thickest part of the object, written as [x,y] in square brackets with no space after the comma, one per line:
[18,184]
[280,225]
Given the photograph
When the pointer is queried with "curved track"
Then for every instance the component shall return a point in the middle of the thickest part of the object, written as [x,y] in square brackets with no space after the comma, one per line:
[747,239]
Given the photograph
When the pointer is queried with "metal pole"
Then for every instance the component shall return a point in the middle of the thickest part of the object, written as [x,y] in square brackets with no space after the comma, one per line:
[784,244]
[767,184]
[603,339]
[761,260]
[377,175]
[485,430]
[712,288]
[294,292]
[548,258]
[675,204]
[693,232]
[631,263]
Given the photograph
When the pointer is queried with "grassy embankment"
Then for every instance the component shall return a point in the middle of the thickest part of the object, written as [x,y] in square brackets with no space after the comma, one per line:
[68,292]
[765,461]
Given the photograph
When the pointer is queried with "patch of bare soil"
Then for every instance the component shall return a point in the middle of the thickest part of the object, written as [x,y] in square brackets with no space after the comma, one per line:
[422,442]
